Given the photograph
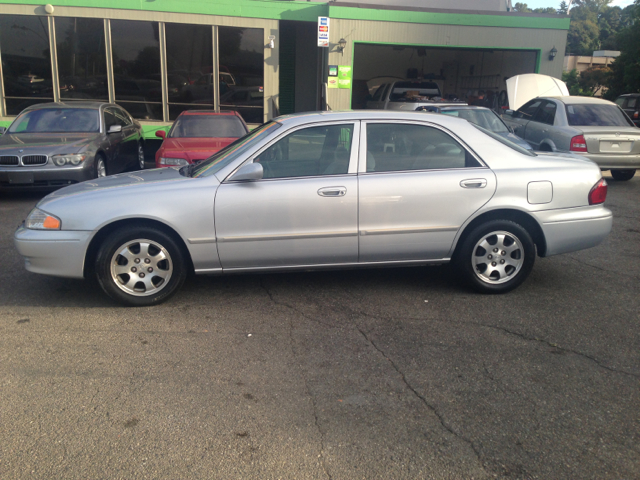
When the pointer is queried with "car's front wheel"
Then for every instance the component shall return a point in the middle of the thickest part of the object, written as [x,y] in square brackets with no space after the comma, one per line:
[623,175]
[99,166]
[140,266]
[497,256]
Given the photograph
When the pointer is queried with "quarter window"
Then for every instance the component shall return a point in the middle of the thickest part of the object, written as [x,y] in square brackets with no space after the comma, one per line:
[393,147]
[309,152]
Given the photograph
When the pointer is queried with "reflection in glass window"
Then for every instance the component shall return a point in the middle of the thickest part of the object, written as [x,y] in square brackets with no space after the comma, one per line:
[136,67]
[397,147]
[26,61]
[241,68]
[82,65]
[189,67]
[309,152]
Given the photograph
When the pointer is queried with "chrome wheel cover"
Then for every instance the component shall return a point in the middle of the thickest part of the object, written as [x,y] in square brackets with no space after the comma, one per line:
[101,168]
[141,156]
[141,267]
[497,257]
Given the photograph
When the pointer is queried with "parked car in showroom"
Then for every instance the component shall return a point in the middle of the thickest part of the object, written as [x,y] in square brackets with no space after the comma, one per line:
[482,116]
[630,103]
[198,134]
[408,95]
[56,144]
[324,190]
[592,127]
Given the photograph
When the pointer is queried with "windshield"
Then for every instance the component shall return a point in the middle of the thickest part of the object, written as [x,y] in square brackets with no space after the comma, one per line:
[413,91]
[506,142]
[587,115]
[225,156]
[57,120]
[207,126]
[484,118]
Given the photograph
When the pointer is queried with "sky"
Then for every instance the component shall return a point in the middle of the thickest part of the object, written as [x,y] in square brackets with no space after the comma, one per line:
[556,3]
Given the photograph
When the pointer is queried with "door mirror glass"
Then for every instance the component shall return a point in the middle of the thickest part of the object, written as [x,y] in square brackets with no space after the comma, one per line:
[248,173]
[115,129]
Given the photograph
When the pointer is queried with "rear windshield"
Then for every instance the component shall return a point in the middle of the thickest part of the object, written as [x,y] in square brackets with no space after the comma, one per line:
[505,141]
[207,126]
[587,115]
[57,120]
[413,91]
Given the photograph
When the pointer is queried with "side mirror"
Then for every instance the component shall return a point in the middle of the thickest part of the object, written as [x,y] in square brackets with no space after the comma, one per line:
[510,129]
[508,112]
[161,133]
[115,129]
[248,173]
[2,130]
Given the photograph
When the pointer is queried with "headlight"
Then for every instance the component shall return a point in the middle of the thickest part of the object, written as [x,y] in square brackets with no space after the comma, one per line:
[39,220]
[173,161]
[61,160]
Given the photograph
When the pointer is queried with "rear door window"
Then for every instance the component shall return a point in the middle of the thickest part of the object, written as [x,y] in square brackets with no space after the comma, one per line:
[394,147]
[546,113]
[378,95]
[528,110]
[631,103]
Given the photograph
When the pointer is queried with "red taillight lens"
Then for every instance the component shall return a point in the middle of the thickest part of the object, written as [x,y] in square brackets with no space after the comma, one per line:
[635,115]
[598,193]
[578,144]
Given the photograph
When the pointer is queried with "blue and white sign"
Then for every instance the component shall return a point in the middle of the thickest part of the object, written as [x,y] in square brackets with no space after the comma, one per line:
[323,31]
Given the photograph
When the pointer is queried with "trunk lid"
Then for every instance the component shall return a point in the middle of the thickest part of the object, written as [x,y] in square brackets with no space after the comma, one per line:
[612,140]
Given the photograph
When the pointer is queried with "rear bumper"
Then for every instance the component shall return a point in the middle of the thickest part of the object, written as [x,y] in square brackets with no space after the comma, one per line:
[59,253]
[573,229]
[43,177]
[607,162]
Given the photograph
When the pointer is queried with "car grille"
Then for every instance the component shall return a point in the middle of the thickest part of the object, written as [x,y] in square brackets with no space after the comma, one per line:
[8,160]
[34,159]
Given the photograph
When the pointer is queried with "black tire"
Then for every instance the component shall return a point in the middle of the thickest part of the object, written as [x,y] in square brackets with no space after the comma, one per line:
[96,166]
[515,250]
[167,274]
[140,156]
[623,175]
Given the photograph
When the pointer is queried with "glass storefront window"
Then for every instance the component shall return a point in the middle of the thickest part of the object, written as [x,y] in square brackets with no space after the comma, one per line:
[136,68]
[241,66]
[26,61]
[82,66]
[189,67]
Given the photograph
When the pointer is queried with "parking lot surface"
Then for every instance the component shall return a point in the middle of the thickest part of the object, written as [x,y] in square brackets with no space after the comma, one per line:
[367,374]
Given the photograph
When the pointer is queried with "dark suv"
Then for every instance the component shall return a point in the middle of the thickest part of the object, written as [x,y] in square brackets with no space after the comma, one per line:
[630,103]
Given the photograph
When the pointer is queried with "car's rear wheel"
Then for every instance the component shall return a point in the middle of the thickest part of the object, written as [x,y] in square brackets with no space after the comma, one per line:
[140,266]
[623,175]
[140,155]
[99,166]
[497,256]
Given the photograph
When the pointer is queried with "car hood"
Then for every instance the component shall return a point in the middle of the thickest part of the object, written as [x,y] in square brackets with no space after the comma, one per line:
[193,148]
[45,143]
[115,184]
[522,88]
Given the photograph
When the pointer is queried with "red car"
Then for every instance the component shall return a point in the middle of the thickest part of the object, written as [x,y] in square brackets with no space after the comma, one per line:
[198,134]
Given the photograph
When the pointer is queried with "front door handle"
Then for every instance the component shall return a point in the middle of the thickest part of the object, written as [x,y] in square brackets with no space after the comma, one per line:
[474,183]
[332,191]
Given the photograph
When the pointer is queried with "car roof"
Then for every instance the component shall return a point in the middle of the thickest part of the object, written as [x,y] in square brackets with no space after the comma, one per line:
[95,105]
[353,115]
[209,112]
[577,100]
[464,107]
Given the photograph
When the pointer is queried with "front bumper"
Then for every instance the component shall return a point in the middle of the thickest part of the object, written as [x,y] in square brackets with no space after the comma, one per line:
[572,229]
[43,177]
[53,252]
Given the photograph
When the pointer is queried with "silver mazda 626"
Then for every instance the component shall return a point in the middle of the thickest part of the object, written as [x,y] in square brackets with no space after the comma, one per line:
[325,190]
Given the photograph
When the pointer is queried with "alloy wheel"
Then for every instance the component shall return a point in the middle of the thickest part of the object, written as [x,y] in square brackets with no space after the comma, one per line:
[141,267]
[497,257]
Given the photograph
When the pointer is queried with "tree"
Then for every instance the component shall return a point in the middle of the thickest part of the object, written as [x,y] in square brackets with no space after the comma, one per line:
[524,8]
[564,8]
[584,34]
[593,79]
[625,76]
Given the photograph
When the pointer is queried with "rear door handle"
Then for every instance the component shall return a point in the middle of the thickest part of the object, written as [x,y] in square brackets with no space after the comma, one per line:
[474,183]
[332,191]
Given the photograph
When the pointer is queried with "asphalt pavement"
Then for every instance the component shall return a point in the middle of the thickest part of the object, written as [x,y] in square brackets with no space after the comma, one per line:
[363,374]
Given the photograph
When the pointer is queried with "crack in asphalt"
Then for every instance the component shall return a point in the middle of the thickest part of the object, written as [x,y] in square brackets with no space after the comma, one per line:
[553,345]
[321,456]
[600,268]
[433,409]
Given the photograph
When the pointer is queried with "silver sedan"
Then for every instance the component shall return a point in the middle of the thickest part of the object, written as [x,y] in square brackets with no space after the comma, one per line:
[324,190]
[591,127]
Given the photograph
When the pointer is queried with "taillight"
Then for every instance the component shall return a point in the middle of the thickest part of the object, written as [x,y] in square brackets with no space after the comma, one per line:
[598,193]
[578,144]
[635,114]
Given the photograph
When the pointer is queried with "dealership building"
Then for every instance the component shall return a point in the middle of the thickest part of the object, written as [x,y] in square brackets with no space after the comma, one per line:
[157,58]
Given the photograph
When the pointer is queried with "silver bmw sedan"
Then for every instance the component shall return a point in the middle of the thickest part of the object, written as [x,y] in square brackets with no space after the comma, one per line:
[324,190]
